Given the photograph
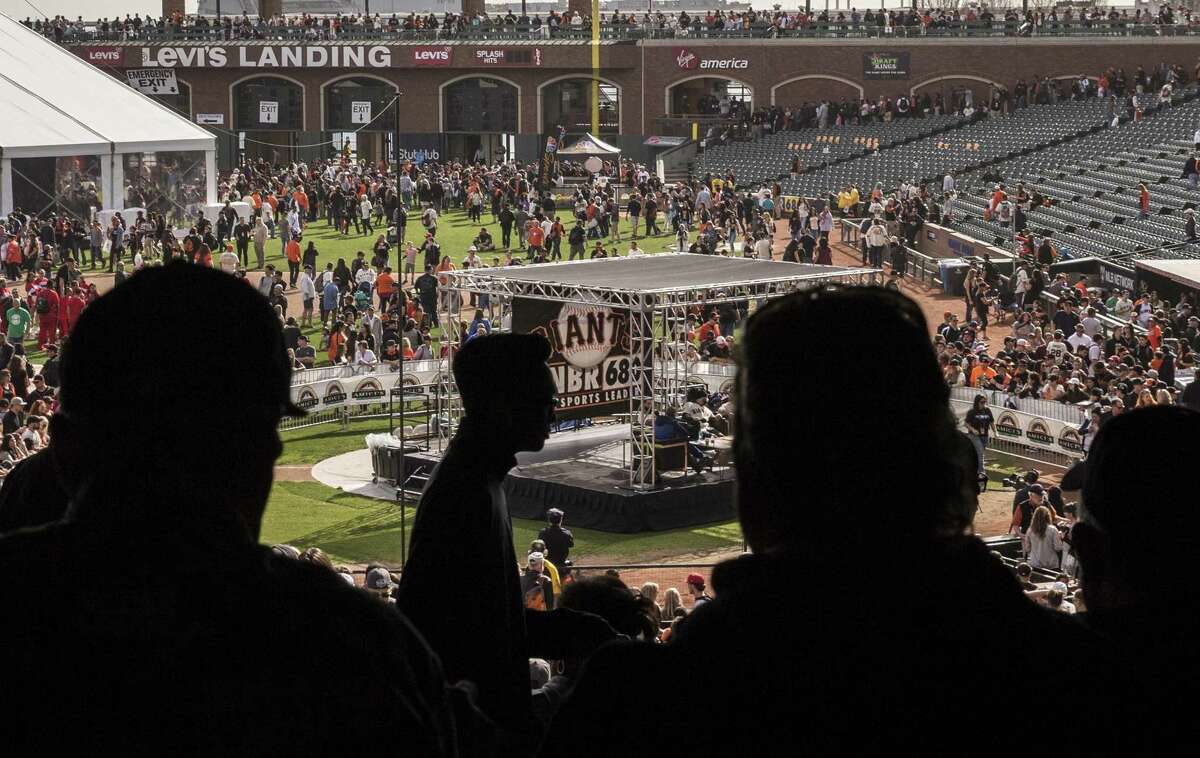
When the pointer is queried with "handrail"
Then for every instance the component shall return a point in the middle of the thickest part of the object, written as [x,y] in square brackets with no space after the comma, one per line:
[493,29]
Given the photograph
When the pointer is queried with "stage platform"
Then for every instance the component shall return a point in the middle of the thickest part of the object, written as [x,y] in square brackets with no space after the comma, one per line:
[582,473]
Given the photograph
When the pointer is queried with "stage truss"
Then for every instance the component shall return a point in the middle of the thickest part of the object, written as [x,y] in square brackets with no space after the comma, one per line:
[658,373]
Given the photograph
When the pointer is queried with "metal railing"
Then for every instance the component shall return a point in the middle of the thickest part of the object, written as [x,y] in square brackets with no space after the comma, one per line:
[1069,413]
[323,373]
[496,29]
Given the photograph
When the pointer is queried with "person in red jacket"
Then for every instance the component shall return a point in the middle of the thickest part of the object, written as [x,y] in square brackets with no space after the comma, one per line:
[46,305]
[72,306]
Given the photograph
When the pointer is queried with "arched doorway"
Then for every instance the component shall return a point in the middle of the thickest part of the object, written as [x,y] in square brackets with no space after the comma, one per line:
[481,116]
[268,115]
[567,102]
[956,91]
[709,96]
[358,113]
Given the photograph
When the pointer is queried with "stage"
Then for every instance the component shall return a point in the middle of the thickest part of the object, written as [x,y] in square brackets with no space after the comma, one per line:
[583,474]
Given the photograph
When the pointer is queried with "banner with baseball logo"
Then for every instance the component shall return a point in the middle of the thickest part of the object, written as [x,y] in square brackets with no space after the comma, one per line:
[1029,429]
[589,354]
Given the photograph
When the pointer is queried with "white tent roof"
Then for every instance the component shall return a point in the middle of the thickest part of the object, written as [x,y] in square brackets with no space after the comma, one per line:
[589,144]
[54,103]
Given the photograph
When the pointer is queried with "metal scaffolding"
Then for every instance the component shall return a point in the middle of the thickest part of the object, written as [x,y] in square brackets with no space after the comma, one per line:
[657,327]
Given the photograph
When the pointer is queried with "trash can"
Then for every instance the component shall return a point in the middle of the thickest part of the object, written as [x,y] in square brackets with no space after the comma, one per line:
[952,272]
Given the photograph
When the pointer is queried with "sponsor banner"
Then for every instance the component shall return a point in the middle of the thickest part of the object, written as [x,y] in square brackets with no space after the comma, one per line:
[1027,429]
[353,390]
[885,65]
[432,55]
[689,60]
[360,112]
[153,81]
[104,56]
[1116,276]
[507,56]
[268,112]
[656,140]
[549,165]
[212,119]
[589,354]
[254,56]
[421,147]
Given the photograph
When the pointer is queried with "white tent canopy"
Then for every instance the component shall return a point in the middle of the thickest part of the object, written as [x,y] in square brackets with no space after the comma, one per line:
[54,104]
[590,144]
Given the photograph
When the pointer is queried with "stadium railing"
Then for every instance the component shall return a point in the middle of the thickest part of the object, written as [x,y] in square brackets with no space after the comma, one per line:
[91,32]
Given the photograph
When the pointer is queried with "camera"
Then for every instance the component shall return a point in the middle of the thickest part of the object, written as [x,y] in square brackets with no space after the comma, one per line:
[1017,481]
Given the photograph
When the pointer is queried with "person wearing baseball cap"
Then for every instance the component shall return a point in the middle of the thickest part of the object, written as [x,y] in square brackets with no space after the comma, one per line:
[152,602]
[696,587]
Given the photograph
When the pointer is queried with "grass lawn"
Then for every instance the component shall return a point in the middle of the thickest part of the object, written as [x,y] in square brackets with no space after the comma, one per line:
[313,444]
[354,529]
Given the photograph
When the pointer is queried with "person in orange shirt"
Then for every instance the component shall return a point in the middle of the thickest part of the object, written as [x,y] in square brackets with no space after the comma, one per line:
[982,373]
[13,259]
[293,258]
[301,200]
[1154,334]
[337,340]
[385,287]
[535,235]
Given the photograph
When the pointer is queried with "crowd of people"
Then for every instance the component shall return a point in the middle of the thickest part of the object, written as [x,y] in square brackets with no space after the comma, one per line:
[209,640]
[648,24]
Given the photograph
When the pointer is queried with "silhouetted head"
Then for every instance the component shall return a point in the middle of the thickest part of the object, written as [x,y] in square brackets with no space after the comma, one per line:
[813,463]
[507,389]
[610,599]
[202,357]
[1137,515]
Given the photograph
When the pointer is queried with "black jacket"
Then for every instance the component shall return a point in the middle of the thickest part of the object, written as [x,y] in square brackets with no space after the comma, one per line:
[461,588]
[178,636]
[851,659]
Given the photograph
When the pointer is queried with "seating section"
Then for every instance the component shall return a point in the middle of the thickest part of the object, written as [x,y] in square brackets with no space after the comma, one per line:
[983,141]
[1094,181]
[770,158]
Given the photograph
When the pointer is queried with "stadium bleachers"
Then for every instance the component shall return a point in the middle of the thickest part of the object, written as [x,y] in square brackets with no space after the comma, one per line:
[1094,181]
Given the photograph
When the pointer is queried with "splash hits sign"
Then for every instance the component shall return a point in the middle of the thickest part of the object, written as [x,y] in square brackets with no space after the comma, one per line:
[589,354]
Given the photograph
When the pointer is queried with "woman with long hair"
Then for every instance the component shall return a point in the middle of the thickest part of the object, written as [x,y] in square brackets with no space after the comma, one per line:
[672,601]
[1145,400]
[1042,542]
[17,369]
[969,285]
[650,592]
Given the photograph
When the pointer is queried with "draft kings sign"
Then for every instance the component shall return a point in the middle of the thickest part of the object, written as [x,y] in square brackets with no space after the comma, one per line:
[589,354]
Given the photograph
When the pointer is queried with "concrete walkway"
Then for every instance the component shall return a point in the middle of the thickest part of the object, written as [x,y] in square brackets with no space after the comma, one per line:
[351,472]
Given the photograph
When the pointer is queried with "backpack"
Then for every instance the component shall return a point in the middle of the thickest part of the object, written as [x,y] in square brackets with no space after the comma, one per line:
[42,304]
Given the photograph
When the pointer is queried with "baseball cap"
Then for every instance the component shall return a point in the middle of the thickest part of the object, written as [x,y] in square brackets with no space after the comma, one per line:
[378,578]
[696,579]
[535,558]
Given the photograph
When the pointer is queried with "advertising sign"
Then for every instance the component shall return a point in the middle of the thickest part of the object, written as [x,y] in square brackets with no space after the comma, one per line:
[589,354]
[255,56]
[1116,276]
[525,56]
[104,56]
[268,112]
[153,81]
[432,55]
[885,65]
[688,60]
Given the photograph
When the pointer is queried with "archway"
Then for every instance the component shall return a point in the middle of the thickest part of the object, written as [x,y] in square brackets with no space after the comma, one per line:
[811,88]
[358,113]
[567,101]
[481,116]
[181,103]
[706,95]
[956,90]
[268,115]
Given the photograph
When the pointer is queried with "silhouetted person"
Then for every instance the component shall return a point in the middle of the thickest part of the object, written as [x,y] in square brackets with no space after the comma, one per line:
[1135,541]
[32,494]
[460,586]
[865,622]
[149,621]
[558,539]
